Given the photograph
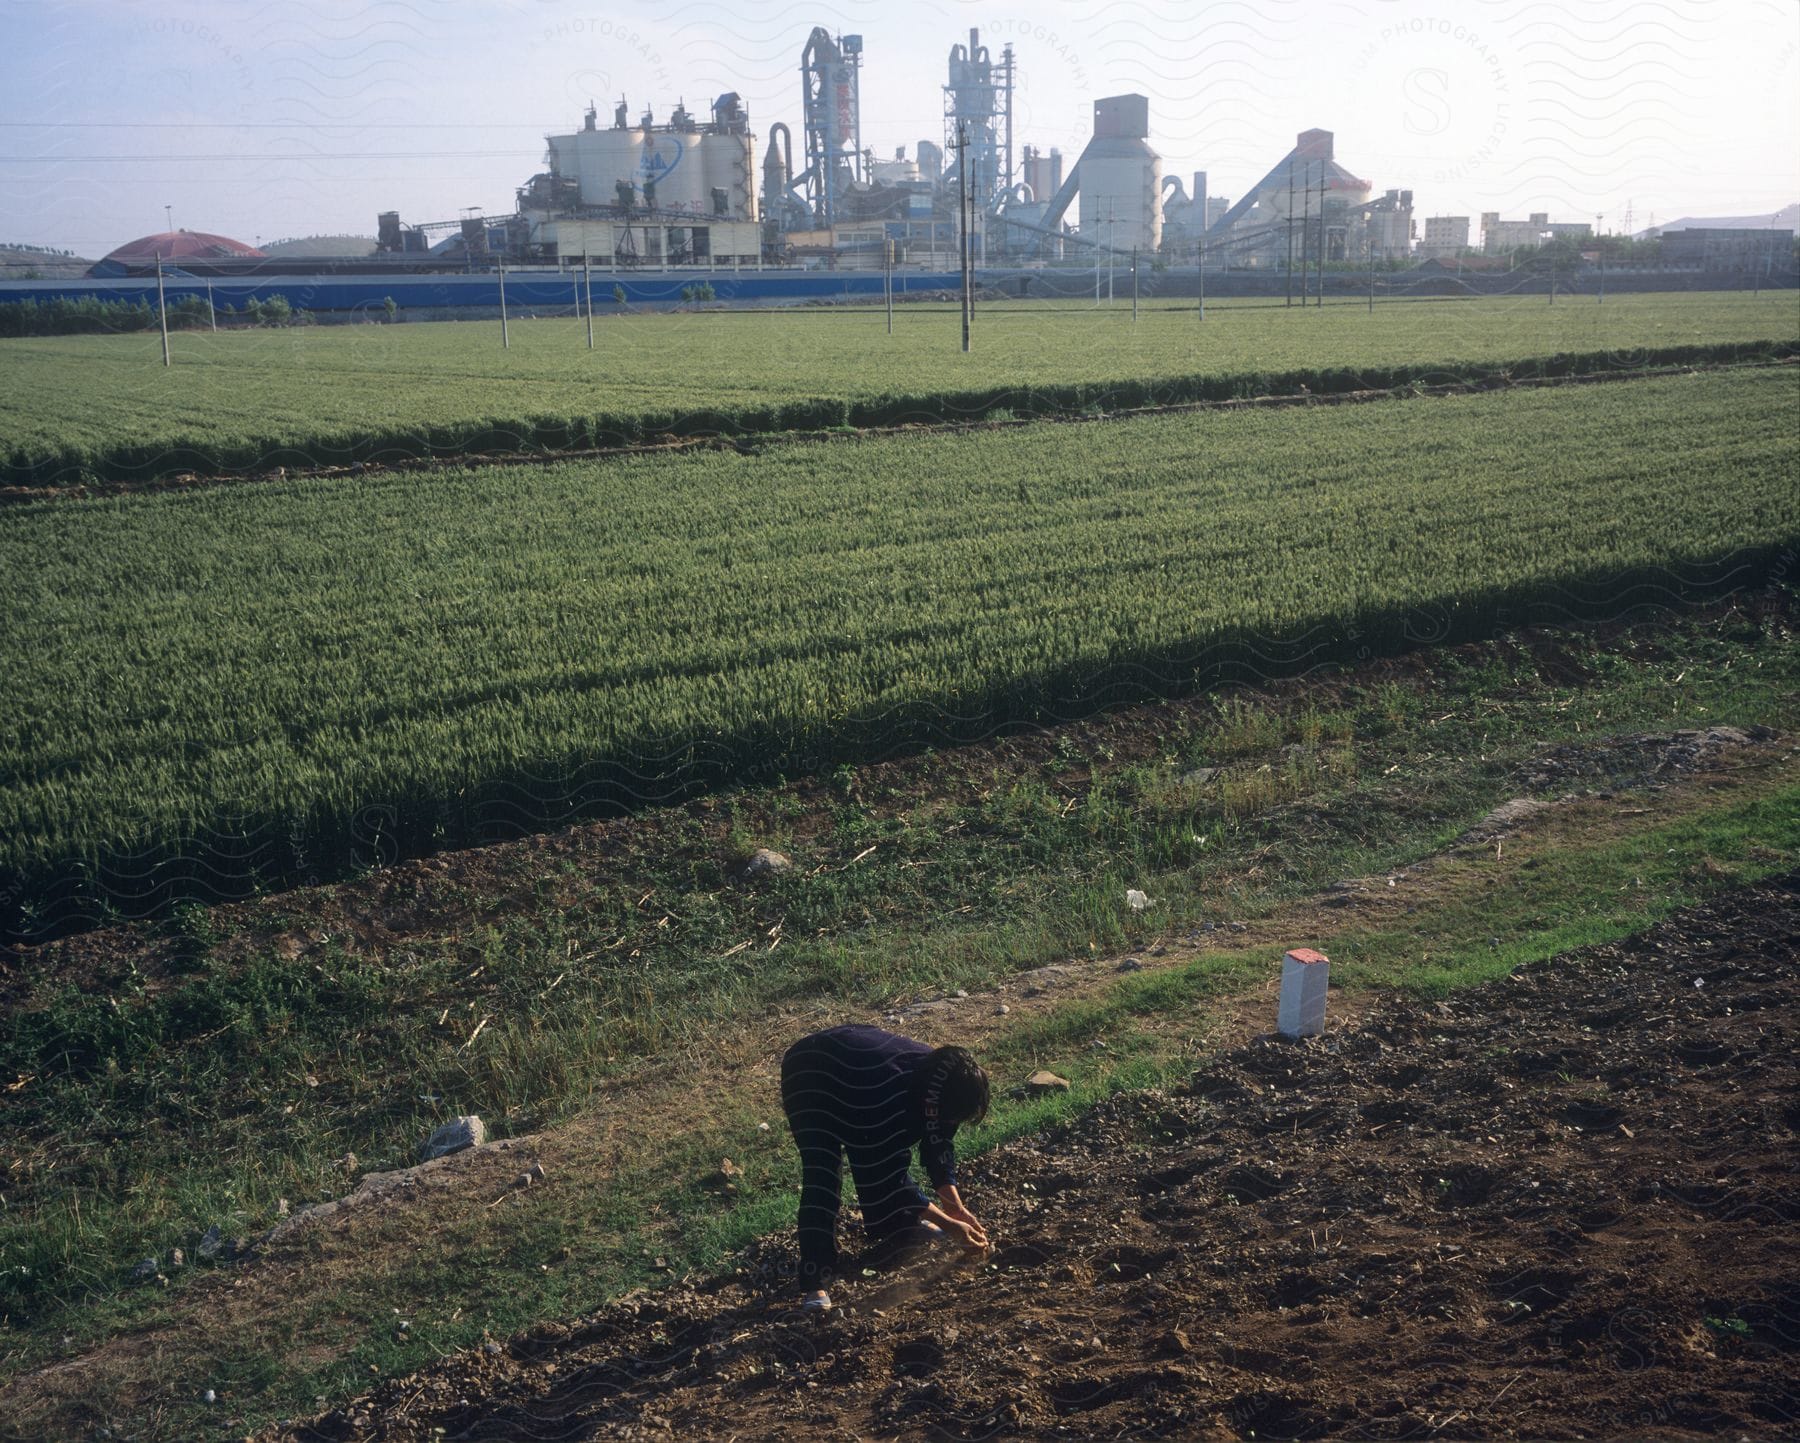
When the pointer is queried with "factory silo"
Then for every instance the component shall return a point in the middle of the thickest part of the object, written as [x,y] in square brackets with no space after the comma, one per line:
[1120,178]
[677,166]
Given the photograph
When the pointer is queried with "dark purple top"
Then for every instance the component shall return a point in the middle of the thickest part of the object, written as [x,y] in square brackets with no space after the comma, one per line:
[859,1082]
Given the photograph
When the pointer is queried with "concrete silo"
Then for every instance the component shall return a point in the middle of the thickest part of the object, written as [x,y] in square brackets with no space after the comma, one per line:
[1119,179]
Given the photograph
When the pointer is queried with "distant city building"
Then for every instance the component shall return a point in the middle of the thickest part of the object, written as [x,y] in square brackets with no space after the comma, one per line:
[1719,248]
[1499,236]
[1445,235]
[1578,230]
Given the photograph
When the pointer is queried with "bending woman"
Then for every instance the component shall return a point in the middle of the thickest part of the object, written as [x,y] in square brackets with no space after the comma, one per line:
[873,1096]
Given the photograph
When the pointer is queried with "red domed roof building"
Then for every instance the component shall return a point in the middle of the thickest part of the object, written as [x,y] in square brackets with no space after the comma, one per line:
[173,248]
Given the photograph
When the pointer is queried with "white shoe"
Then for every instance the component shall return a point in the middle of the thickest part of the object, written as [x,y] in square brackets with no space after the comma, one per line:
[819,1302]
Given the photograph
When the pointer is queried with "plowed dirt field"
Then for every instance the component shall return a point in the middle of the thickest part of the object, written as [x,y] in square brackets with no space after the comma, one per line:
[1561,1205]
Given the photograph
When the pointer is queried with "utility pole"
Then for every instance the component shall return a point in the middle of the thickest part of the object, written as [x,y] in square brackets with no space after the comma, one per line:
[1305,234]
[1290,231]
[1134,285]
[212,313]
[1371,236]
[587,284]
[887,256]
[1200,256]
[1323,238]
[1600,242]
[162,308]
[962,216]
[1109,250]
[505,343]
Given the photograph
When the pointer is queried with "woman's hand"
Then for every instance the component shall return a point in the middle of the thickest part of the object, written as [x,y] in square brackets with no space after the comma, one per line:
[950,1214]
[951,1203]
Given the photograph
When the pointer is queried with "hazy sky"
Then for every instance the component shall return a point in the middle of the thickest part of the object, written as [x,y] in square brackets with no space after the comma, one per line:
[275,119]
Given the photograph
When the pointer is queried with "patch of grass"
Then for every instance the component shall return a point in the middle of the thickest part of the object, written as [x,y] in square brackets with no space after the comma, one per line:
[1577,896]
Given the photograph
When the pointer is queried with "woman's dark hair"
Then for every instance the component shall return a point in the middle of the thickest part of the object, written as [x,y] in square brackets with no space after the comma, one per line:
[951,1083]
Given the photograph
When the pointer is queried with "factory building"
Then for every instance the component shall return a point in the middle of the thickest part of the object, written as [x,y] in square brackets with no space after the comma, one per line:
[1306,208]
[1185,213]
[1445,235]
[682,191]
[1500,236]
[693,190]
[1729,248]
[1119,180]
[1387,231]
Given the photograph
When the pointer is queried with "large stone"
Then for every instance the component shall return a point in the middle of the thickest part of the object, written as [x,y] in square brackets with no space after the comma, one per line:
[765,861]
[1041,1083]
[454,1136]
[211,1243]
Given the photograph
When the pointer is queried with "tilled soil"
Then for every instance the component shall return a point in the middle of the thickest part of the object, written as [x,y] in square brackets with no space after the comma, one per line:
[1562,1205]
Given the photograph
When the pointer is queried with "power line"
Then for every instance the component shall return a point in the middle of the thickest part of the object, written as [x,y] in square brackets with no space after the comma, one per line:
[240,155]
[269,125]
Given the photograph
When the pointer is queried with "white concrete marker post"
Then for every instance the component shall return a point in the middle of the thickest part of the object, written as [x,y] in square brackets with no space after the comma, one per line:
[1305,975]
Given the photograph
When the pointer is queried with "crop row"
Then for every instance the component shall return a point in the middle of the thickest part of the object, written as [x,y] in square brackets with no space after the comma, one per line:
[249,685]
[81,407]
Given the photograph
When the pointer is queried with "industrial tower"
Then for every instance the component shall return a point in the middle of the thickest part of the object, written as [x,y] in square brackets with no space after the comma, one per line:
[979,97]
[832,114]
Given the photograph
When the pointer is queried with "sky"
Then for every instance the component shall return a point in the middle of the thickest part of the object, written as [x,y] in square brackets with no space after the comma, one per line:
[271,119]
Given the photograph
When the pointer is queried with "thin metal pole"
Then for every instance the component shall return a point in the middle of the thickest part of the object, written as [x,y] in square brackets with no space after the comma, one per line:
[887,286]
[963,209]
[162,310]
[1290,233]
[211,313]
[587,283]
[505,343]
[1134,285]
[1322,235]
[1305,234]
[1200,251]
[1371,276]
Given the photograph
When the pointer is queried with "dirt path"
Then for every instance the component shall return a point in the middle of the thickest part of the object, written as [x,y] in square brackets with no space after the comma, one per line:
[1559,1205]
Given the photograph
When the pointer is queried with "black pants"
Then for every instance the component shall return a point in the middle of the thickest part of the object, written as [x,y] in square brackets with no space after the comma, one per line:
[891,1200]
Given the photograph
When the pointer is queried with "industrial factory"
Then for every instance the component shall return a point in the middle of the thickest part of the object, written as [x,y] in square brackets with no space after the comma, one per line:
[692,191]
[650,196]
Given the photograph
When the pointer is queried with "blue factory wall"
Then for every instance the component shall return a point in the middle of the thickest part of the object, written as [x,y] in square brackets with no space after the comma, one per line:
[524,289]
